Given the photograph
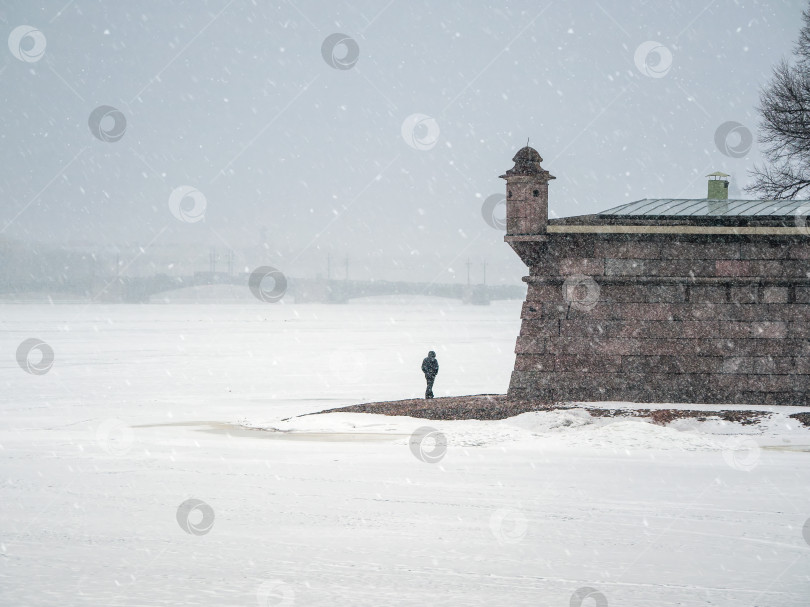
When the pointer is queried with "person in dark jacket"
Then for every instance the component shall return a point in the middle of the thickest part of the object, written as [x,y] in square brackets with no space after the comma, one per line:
[430,367]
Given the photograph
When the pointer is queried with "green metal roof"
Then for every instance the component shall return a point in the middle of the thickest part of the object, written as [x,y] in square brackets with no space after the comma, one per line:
[704,207]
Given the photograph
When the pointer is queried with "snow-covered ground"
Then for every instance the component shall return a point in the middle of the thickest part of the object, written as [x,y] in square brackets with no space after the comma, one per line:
[149,407]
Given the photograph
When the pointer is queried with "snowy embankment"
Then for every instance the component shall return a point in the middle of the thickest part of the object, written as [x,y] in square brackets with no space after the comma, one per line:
[573,428]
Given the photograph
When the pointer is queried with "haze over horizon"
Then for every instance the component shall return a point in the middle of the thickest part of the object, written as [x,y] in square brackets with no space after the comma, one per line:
[386,155]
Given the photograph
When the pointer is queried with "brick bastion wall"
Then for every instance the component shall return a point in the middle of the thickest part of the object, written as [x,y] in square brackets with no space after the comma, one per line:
[711,309]
[666,318]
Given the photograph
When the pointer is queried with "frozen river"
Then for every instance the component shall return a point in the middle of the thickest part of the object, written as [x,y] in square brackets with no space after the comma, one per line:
[102,453]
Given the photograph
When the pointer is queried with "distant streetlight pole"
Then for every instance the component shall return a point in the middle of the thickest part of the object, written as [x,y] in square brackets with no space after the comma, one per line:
[485,272]
[469,263]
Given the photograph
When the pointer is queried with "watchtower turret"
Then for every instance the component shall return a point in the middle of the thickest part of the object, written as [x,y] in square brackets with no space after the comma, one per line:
[527,194]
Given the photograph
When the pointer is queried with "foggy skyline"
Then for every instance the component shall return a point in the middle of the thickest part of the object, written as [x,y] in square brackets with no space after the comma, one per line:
[299,158]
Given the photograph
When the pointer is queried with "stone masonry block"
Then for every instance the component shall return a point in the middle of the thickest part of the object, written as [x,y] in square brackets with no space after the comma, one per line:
[531,311]
[624,267]
[684,268]
[530,345]
[708,294]
[627,250]
[700,250]
[734,267]
[540,328]
[544,292]
[582,265]
[588,363]
[747,294]
[753,330]
[774,295]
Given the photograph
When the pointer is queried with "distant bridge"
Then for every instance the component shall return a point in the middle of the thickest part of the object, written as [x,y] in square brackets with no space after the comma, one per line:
[141,289]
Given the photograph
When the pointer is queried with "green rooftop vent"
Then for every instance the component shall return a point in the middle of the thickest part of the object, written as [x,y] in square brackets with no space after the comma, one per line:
[718,186]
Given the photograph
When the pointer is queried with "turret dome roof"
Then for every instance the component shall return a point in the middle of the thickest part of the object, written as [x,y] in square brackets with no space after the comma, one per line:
[527,162]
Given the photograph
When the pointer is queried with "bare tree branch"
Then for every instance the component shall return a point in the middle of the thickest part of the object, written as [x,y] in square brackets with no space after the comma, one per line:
[784,106]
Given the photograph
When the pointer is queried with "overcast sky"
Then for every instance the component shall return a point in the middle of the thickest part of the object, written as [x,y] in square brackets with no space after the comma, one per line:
[387,154]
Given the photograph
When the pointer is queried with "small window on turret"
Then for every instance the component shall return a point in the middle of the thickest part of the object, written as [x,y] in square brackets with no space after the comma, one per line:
[509,194]
[536,193]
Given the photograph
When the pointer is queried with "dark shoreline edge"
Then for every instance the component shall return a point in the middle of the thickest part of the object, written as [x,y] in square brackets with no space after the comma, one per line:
[496,406]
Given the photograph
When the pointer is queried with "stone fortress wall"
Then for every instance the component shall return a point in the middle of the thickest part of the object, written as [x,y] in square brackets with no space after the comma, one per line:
[657,311]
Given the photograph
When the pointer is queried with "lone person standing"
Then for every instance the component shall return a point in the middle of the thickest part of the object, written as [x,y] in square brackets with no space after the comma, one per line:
[430,367]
